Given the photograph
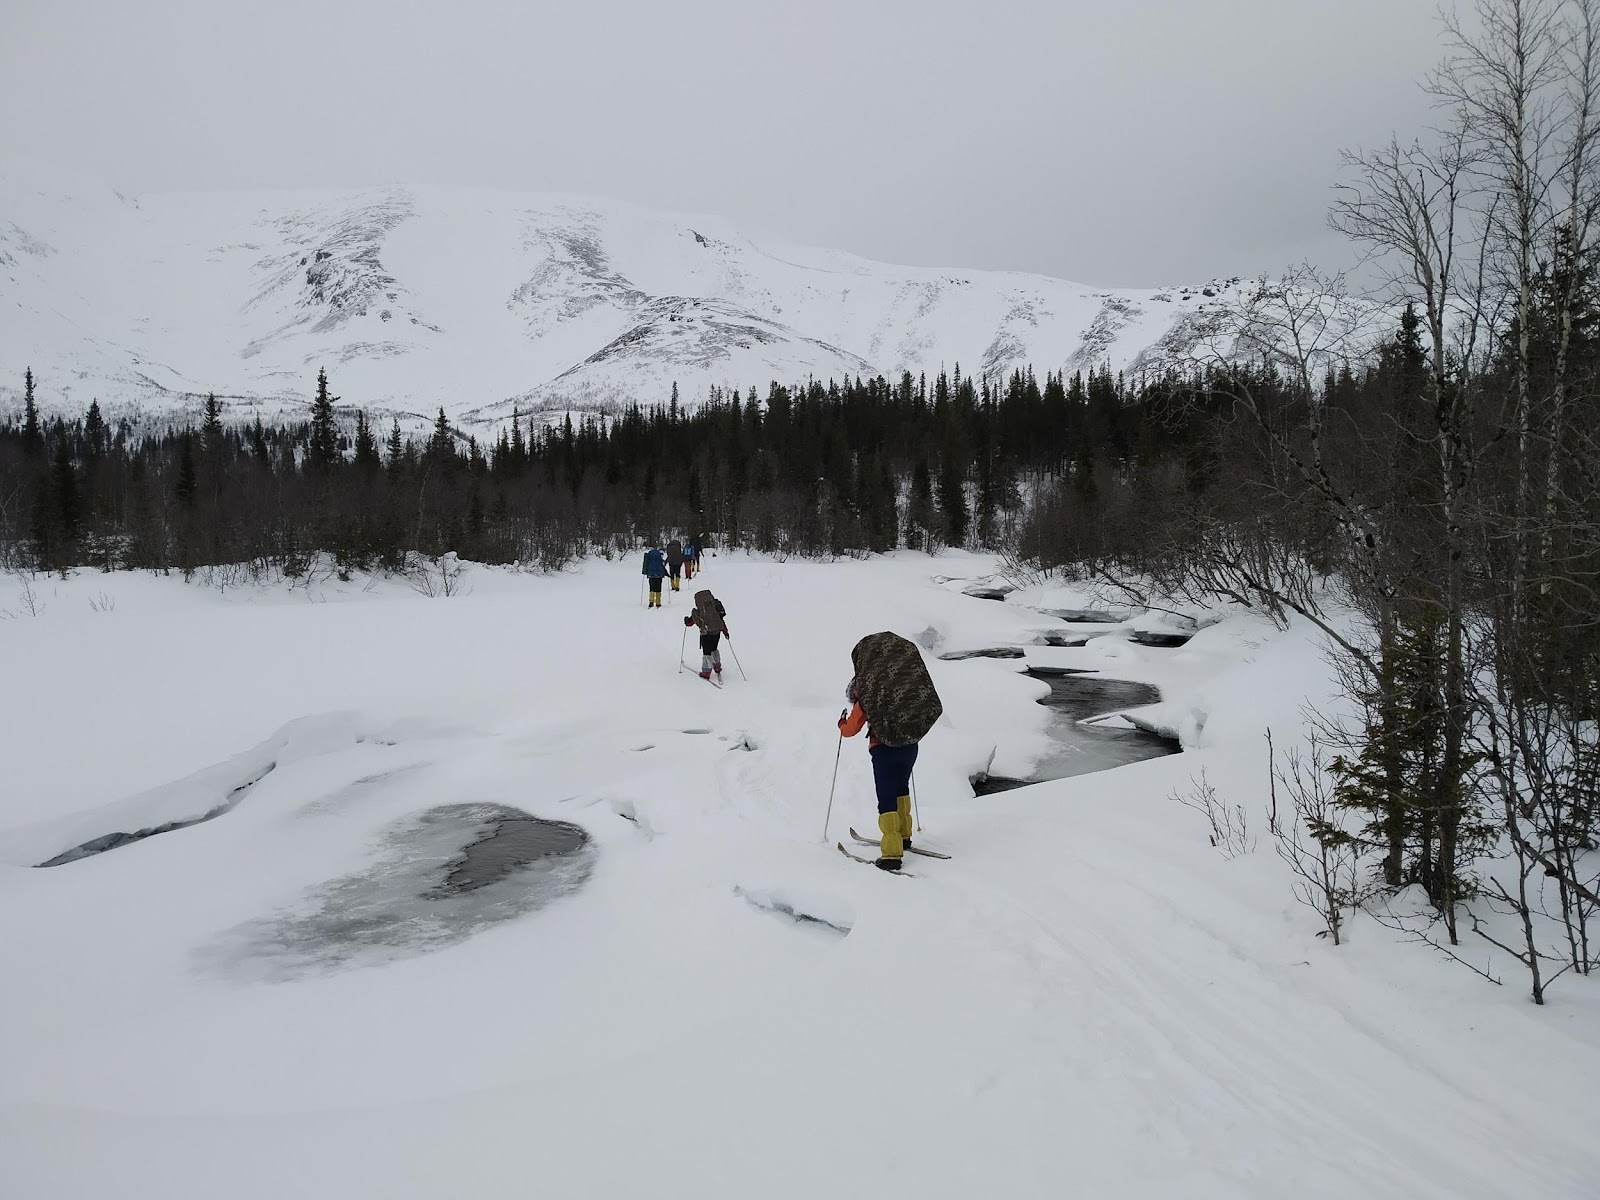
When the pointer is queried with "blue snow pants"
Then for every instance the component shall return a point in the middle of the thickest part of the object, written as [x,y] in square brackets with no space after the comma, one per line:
[891,774]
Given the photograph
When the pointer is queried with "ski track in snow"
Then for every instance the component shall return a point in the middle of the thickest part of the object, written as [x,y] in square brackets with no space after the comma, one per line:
[1086,1000]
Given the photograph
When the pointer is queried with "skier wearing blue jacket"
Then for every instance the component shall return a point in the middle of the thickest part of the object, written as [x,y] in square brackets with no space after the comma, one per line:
[655,568]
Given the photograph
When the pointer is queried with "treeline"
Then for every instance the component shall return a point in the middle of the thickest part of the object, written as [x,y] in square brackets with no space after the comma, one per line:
[1436,511]
[837,468]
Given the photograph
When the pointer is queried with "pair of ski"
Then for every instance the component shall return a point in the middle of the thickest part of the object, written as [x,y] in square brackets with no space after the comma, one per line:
[865,841]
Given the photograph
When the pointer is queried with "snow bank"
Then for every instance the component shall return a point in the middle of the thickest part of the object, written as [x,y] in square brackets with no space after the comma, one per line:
[1085,999]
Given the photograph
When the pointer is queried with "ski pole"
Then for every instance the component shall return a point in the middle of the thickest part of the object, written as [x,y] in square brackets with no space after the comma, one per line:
[641,590]
[681,646]
[834,784]
[917,812]
[736,661]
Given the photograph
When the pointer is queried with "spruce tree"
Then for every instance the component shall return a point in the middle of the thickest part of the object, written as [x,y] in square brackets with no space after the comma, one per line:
[395,451]
[211,435]
[442,444]
[96,440]
[32,434]
[366,452]
[188,549]
[1395,782]
[1107,430]
[988,497]
[519,448]
[258,444]
[94,431]
[1055,422]
[322,453]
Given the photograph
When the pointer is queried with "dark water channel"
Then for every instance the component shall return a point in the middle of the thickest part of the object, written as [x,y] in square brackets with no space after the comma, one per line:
[119,838]
[1078,749]
[511,843]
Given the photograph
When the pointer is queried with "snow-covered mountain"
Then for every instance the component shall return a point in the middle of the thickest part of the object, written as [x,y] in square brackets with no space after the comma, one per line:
[417,297]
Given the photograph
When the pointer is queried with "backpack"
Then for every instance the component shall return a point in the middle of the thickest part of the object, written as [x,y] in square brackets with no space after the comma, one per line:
[652,564]
[675,552]
[708,613]
[895,689]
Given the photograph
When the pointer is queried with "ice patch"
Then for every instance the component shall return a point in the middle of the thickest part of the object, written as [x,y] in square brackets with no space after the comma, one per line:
[440,877]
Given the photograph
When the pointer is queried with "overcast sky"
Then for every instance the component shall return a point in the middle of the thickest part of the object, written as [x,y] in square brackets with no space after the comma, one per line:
[1128,142]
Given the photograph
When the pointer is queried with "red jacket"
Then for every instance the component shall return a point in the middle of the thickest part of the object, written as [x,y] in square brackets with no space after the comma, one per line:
[851,725]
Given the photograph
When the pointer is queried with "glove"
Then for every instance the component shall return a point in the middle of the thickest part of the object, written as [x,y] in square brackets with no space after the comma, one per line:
[688,621]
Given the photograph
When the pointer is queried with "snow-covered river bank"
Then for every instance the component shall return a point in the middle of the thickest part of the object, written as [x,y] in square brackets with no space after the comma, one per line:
[703,997]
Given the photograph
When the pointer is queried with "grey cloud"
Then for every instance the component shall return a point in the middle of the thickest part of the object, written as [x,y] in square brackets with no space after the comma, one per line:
[1130,142]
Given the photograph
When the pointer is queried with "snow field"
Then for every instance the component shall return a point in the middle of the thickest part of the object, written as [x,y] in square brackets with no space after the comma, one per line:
[1087,999]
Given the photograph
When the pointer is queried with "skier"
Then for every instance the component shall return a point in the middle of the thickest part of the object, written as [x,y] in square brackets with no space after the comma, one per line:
[655,567]
[893,697]
[711,617]
[691,559]
[674,561]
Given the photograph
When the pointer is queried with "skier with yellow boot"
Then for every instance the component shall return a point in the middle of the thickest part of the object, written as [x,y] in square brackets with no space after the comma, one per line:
[893,698]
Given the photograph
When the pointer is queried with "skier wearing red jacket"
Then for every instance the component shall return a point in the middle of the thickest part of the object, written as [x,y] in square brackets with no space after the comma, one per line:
[891,777]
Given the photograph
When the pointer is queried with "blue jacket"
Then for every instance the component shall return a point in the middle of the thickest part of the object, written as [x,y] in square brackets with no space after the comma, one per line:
[654,566]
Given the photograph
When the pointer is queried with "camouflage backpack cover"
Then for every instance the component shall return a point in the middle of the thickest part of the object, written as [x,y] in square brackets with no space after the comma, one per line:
[895,689]
[705,611]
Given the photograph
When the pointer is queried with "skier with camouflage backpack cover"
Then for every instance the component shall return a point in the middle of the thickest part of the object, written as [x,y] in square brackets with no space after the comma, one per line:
[892,695]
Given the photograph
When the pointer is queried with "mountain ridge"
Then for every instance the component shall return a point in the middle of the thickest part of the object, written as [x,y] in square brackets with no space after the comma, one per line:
[417,298]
